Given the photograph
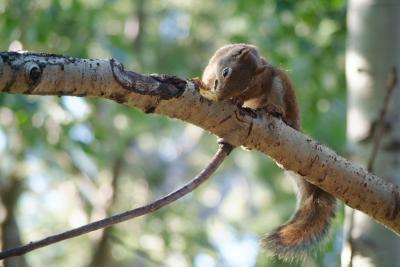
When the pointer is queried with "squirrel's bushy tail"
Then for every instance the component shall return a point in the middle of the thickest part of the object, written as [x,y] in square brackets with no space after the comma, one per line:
[308,226]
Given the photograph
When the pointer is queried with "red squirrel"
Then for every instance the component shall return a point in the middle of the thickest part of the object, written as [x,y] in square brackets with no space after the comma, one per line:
[237,72]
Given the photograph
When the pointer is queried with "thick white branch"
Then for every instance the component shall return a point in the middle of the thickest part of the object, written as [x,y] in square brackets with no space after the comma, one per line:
[43,74]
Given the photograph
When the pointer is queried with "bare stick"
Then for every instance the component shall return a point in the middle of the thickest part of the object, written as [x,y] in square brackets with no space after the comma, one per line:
[44,74]
[379,129]
[216,161]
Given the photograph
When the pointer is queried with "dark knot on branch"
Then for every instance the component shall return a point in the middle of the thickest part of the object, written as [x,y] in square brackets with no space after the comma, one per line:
[164,86]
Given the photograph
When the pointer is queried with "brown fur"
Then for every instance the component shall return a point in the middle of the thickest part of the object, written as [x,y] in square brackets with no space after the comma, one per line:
[308,226]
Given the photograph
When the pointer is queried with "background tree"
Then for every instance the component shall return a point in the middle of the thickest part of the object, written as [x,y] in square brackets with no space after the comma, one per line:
[67,161]
[372,61]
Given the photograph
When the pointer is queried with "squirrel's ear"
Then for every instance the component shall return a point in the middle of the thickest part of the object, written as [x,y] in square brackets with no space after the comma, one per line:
[244,52]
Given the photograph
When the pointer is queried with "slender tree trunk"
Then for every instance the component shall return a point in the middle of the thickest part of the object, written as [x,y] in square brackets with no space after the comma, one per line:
[10,234]
[102,256]
[373,51]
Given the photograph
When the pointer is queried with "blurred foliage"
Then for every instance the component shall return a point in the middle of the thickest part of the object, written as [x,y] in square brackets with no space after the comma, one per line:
[65,150]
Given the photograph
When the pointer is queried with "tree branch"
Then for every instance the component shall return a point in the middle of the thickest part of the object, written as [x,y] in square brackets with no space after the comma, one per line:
[43,74]
[216,161]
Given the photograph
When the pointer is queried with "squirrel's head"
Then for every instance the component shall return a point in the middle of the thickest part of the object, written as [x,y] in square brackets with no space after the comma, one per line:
[231,70]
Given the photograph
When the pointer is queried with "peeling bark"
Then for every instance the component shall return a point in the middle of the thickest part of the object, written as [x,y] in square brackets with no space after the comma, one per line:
[44,74]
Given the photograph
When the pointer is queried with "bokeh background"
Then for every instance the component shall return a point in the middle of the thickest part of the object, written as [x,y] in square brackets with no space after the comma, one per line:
[66,161]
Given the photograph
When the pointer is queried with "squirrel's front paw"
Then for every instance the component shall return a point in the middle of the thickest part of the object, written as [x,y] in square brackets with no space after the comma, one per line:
[200,84]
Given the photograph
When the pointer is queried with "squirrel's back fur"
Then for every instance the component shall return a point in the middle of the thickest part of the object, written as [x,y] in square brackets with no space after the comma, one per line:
[307,227]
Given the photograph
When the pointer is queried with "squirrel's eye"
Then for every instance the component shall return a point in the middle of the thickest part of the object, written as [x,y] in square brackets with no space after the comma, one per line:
[226,72]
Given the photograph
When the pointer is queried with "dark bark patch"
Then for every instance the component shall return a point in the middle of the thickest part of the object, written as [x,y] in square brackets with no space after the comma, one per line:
[149,109]
[164,86]
[171,86]
[118,97]
[33,75]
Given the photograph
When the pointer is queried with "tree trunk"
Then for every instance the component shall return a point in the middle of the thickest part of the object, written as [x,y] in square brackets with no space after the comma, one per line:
[10,233]
[373,51]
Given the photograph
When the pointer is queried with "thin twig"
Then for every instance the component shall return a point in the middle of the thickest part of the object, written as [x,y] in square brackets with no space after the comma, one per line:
[377,135]
[216,161]
[379,129]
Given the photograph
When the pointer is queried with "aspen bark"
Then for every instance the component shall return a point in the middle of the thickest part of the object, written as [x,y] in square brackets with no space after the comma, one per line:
[373,50]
